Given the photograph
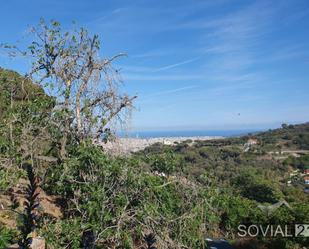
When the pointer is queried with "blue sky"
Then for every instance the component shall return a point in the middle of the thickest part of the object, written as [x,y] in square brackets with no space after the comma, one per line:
[213,64]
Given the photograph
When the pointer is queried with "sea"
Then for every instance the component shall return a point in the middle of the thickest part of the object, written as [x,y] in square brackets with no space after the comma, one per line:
[187,133]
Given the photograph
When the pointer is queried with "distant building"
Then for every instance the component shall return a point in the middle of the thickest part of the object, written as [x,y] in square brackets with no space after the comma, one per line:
[295,154]
[250,142]
[167,142]
[306,180]
[294,173]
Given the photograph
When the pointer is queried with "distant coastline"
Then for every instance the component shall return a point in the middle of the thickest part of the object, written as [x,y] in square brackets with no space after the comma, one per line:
[187,133]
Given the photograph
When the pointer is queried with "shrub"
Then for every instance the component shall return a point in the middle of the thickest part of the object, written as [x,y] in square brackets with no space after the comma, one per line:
[7,237]
[167,163]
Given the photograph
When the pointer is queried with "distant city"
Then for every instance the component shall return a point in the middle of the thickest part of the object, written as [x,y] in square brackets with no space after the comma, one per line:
[187,133]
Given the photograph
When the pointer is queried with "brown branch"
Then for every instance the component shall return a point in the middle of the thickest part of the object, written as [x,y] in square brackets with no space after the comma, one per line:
[127,102]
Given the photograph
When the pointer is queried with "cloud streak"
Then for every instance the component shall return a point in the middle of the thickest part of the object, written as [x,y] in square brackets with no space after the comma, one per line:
[175,65]
[162,77]
[171,91]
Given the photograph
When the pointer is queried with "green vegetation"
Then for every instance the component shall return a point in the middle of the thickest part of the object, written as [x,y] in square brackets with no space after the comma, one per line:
[6,237]
[162,197]
[245,180]
[301,162]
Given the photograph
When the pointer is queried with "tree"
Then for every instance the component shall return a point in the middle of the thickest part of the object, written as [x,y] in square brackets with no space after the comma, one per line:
[254,187]
[284,126]
[69,66]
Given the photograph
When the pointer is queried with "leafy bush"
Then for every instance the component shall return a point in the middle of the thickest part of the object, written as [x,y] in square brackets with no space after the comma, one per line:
[63,233]
[9,176]
[167,163]
[253,187]
[301,163]
[118,202]
[6,237]
[303,141]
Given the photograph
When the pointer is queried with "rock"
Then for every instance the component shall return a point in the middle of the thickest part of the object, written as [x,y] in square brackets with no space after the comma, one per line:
[38,243]
[13,247]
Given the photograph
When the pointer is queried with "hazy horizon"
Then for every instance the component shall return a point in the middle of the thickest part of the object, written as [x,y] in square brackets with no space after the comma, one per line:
[223,127]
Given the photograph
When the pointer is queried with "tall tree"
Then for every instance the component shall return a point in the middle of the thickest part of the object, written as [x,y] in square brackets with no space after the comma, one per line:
[86,86]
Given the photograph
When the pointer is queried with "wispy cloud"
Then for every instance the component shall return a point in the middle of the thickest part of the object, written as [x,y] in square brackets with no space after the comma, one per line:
[149,70]
[172,91]
[162,77]
[153,53]
[239,78]
[167,93]
[175,65]
[286,52]
[139,18]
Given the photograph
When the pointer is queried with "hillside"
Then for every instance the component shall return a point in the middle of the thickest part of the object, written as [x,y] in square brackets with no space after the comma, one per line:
[268,151]
[165,196]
